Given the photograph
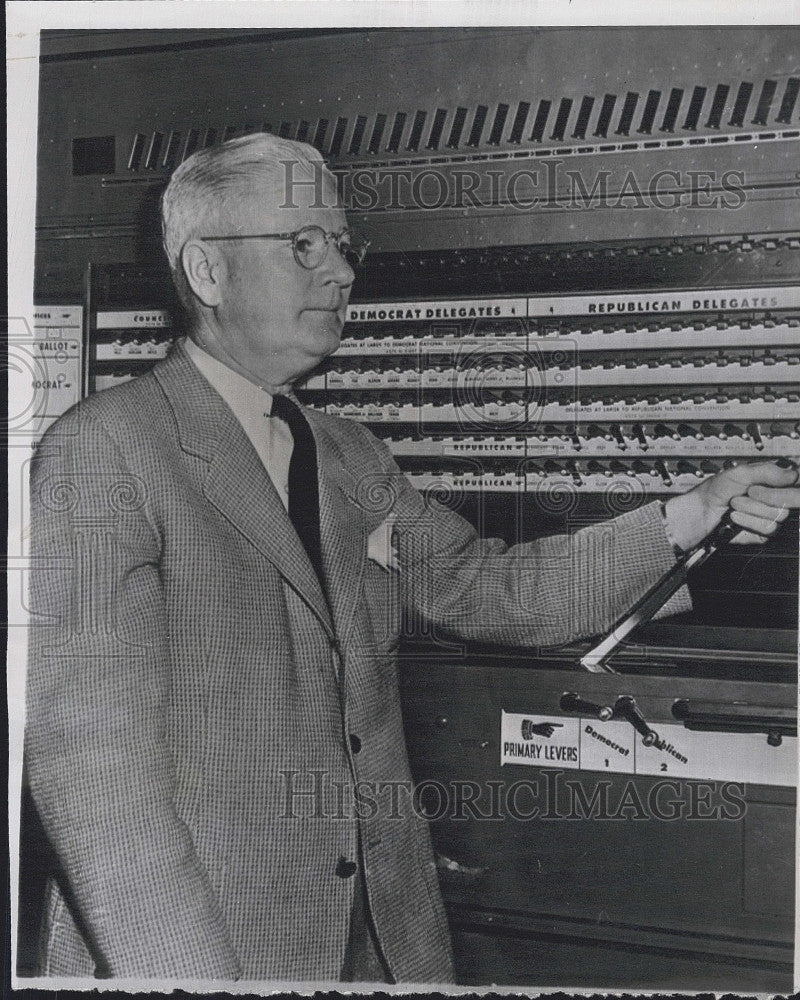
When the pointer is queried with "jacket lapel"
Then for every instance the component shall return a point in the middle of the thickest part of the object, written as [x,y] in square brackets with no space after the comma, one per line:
[343,529]
[236,482]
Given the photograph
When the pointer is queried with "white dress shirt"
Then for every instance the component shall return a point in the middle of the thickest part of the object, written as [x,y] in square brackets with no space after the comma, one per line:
[252,406]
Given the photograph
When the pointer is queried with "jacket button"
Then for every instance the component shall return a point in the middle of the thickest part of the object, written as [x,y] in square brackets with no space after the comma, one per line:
[346,869]
[355,743]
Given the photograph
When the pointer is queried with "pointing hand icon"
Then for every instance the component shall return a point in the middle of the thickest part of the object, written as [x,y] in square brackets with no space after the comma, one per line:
[531,729]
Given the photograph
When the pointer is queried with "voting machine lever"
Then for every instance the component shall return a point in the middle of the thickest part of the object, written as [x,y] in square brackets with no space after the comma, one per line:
[571,702]
[655,598]
[623,708]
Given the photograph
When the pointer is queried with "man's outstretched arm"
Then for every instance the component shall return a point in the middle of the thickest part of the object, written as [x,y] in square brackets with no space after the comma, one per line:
[567,587]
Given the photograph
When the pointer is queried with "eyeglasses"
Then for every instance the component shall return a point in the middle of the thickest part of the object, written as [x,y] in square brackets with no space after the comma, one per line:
[310,245]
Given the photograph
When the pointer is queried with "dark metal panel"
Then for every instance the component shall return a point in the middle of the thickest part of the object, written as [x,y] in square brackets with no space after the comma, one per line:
[444,75]
[501,951]
[656,878]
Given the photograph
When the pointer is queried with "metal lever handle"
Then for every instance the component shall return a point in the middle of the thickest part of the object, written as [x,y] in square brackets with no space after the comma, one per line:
[625,708]
[655,598]
[571,702]
[722,534]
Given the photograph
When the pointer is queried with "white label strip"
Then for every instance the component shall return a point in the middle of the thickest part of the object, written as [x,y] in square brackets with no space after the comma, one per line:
[56,376]
[132,352]
[591,745]
[371,312]
[63,317]
[623,304]
[57,345]
[702,300]
[431,345]
[134,319]
[780,335]
[56,383]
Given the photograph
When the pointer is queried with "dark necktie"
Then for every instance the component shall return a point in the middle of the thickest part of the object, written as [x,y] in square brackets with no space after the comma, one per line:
[303,485]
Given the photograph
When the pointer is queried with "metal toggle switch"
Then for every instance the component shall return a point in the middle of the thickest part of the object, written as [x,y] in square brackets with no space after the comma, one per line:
[638,433]
[571,702]
[620,437]
[663,471]
[754,431]
[685,467]
[623,708]
[661,430]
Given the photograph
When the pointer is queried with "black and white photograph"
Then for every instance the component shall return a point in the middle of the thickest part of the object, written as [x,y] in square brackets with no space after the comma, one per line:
[404,474]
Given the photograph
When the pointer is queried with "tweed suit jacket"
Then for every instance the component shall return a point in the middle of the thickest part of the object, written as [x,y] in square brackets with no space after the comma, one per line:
[191,690]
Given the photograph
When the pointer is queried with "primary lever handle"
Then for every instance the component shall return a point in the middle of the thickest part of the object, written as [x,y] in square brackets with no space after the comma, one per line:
[623,708]
[656,597]
[571,702]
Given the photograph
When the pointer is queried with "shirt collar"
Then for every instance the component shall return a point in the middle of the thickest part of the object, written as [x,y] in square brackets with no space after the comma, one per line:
[243,397]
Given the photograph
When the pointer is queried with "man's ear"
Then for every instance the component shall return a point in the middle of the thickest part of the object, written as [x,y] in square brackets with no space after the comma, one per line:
[202,268]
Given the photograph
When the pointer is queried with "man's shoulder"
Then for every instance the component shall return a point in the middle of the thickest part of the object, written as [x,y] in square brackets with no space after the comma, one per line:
[118,411]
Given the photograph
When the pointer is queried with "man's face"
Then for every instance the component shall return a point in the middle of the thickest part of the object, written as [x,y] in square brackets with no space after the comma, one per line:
[278,320]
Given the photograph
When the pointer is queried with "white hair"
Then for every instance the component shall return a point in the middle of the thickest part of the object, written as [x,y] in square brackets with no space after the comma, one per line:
[212,182]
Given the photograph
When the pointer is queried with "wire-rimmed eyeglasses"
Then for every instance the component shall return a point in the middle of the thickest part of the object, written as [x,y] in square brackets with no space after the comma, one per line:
[310,245]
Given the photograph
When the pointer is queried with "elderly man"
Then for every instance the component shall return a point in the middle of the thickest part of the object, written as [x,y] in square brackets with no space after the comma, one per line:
[212,673]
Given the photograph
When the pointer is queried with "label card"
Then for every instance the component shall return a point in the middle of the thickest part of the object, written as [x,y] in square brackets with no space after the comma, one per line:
[590,745]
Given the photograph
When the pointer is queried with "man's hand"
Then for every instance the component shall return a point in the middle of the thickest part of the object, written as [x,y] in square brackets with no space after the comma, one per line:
[759,496]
